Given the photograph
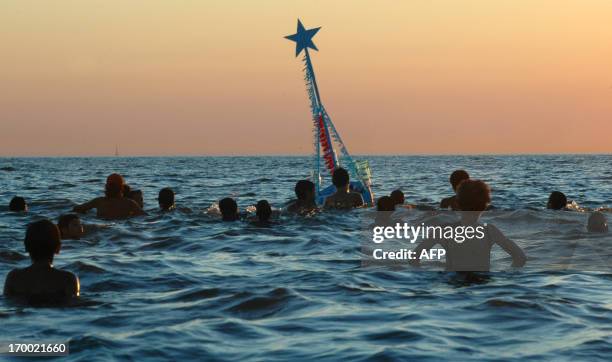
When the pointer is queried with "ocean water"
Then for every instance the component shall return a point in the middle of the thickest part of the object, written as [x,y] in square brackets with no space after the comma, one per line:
[185,286]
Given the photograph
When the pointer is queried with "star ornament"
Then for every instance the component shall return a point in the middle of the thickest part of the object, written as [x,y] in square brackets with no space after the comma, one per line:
[303,38]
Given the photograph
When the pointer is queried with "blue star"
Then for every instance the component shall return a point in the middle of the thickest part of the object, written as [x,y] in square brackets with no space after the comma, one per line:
[303,38]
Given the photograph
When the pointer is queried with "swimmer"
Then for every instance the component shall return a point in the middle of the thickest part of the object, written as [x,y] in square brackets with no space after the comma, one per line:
[344,198]
[474,253]
[399,200]
[556,201]
[597,223]
[305,202]
[229,209]
[456,178]
[263,211]
[385,203]
[136,195]
[113,205]
[41,281]
[166,199]
[70,226]
[18,204]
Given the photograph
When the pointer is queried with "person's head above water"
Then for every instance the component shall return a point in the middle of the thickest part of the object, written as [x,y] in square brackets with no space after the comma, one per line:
[114,186]
[473,195]
[398,197]
[229,209]
[42,241]
[556,201]
[385,203]
[70,226]
[166,199]
[305,190]
[597,223]
[340,178]
[18,204]
[136,196]
[457,177]
[263,210]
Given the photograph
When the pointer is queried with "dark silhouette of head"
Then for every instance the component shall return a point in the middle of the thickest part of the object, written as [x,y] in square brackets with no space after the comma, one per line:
[70,226]
[473,195]
[42,241]
[385,203]
[597,223]
[229,209]
[263,210]
[166,198]
[136,196]
[340,178]
[114,186]
[305,190]
[556,201]
[457,177]
[18,204]
[398,197]
[126,189]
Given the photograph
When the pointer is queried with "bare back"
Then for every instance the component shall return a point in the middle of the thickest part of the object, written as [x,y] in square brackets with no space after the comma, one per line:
[112,208]
[42,282]
[344,200]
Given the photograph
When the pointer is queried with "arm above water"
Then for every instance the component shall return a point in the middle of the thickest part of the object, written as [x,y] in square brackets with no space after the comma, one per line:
[83,208]
[518,256]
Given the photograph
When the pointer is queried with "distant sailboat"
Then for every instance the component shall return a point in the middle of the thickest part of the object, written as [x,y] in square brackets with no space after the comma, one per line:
[116,151]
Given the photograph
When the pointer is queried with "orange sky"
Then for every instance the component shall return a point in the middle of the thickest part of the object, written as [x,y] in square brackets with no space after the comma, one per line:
[161,77]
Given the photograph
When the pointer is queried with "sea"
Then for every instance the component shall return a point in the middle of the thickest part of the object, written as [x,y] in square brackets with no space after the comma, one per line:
[186,286]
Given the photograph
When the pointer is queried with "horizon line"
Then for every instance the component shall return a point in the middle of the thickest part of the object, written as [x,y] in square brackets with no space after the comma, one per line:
[309,155]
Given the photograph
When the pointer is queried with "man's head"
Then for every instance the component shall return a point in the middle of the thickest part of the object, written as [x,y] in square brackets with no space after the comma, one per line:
[166,198]
[473,195]
[385,203]
[457,177]
[340,178]
[597,223]
[136,196]
[398,197]
[556,201]
[263,210]
[70,226]
[114,185]
[229,209]
[42,241]
[18,204]
[305,190]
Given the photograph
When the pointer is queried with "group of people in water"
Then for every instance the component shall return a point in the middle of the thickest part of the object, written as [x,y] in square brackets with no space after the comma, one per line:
[43,238]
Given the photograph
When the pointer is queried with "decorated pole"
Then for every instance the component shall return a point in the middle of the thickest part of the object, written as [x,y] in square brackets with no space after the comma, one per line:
[325,133]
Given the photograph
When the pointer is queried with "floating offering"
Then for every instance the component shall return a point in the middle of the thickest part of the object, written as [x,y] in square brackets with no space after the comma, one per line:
[326,138]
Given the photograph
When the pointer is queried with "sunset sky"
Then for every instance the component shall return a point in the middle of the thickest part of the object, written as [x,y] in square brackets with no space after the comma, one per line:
[217,78]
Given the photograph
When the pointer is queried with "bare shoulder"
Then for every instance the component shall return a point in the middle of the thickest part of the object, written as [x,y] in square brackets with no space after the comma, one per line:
[11,278]
[70,281]
[12,275]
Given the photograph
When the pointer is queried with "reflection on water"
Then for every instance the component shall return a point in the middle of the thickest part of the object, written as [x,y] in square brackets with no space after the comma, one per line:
[184,285]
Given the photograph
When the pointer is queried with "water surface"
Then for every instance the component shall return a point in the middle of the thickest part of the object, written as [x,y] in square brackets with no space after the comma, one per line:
[186,286]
